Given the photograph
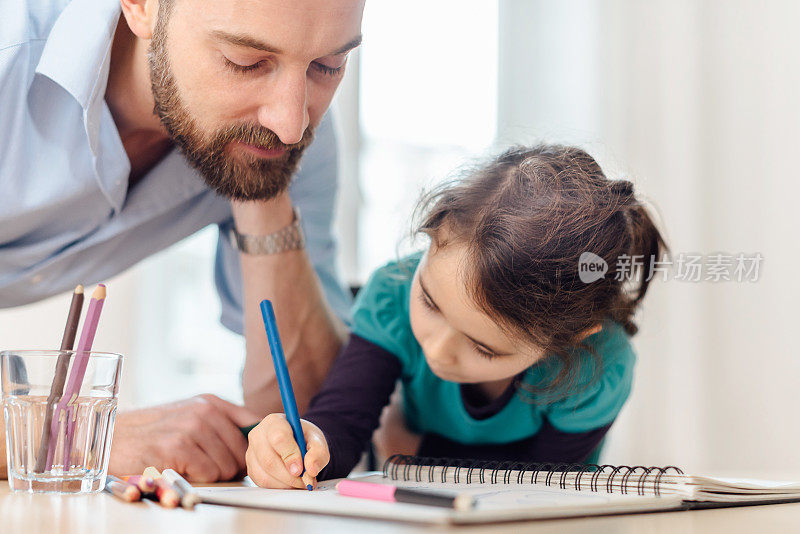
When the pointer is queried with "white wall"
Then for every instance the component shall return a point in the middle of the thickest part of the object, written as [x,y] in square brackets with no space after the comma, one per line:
[696,101]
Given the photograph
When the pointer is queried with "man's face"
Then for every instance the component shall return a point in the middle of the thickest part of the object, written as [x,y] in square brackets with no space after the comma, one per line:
[240,84]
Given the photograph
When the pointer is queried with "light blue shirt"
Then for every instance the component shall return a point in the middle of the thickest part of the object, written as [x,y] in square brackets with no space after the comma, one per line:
[66,215]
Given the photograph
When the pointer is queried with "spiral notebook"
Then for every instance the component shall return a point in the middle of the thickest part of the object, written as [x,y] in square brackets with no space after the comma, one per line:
[511,491]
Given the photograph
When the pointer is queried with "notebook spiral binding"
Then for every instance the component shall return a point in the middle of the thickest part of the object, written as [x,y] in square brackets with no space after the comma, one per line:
[405,467]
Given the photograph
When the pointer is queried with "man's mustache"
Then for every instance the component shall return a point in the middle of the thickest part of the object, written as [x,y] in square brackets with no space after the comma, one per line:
[260,137]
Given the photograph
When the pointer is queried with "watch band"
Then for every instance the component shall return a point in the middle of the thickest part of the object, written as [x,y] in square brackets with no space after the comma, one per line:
[287,238]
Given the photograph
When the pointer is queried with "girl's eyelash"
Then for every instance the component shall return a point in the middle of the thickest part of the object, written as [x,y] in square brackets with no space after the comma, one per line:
[427,303]
[326,70]
[480,350]
[483,352]
[242,68]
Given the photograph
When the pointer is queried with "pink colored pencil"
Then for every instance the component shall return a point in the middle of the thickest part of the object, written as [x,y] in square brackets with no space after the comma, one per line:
[64,410]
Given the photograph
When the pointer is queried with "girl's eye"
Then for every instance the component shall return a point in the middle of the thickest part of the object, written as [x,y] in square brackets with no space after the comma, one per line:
[326,70]
[483,352]
[242,68]
[426,302]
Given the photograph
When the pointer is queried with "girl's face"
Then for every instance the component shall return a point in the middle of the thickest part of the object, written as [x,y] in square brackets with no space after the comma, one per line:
[460,342]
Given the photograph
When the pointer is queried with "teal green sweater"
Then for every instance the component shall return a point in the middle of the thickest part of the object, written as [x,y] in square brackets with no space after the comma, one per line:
[433,405]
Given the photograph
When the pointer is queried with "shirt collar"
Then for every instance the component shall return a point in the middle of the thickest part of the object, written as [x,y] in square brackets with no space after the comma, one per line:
[77,56]
[77,47]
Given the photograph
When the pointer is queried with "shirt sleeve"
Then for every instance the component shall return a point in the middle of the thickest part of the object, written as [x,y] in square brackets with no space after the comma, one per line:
[313,192]
[228,279]
[597,400]
[348,407]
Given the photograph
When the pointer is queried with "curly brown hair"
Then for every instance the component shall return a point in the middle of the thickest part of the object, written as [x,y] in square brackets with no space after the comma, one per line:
[526,217]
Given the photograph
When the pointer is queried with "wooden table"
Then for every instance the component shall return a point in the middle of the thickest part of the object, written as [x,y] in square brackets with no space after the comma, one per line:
[52,514]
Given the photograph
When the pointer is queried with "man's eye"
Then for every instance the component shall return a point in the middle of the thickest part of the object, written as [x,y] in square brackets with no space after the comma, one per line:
[326,70]
[242,68]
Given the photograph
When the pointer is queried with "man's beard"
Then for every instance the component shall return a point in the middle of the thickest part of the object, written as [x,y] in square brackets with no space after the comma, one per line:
[246,178]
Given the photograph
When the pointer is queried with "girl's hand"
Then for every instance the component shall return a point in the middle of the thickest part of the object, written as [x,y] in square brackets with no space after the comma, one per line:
[273,456]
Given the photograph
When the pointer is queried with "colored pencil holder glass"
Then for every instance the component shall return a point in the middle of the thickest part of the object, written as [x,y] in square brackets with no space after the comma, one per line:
[59,442]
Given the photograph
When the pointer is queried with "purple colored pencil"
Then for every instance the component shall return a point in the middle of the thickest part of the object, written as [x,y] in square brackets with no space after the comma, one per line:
[64,411]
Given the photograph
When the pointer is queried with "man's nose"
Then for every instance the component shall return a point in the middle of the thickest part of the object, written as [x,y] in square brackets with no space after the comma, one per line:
[285,107]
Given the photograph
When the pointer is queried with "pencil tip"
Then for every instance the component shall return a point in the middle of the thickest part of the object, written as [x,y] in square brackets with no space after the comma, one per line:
[79,290]
[99,292]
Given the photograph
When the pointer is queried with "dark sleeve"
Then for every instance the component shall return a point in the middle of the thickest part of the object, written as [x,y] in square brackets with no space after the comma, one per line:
[549,445]
[348,407]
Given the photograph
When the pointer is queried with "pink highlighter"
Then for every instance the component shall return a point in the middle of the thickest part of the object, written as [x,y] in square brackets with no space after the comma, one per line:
[389,493]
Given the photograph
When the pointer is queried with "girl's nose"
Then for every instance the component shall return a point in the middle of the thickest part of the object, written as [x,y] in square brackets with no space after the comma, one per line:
[441,349]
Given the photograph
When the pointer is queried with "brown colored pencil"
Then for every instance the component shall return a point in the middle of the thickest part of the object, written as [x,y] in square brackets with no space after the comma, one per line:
[62,364]
[121,489]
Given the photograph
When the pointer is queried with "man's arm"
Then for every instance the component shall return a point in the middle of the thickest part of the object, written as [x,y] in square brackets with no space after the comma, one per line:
[311,333]
[299,283]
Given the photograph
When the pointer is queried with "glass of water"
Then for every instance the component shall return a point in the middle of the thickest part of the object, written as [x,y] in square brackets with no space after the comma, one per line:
[59,443]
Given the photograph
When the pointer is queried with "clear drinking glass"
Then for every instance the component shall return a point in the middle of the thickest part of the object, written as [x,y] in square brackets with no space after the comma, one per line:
[74,456]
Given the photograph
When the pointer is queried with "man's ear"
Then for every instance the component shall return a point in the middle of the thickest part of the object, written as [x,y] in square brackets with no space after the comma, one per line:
[589,331]
[141,16]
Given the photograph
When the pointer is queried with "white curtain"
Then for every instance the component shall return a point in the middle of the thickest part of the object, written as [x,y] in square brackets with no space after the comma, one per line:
[696,101]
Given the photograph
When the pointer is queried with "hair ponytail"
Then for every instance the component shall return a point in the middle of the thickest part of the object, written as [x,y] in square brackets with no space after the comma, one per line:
[646,243]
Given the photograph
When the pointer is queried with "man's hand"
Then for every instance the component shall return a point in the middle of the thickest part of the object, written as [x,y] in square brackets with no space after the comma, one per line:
[198,437]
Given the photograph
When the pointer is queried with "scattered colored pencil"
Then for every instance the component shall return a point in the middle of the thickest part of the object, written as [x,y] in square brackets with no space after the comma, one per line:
[186,492]
[167,496]
[145,483]
[121,489]
[166,493]
[389,493]
[62,364]
[64,410]
[284,382]
[151,472]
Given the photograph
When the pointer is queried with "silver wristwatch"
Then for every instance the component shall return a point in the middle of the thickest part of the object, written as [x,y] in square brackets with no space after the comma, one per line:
[287,238]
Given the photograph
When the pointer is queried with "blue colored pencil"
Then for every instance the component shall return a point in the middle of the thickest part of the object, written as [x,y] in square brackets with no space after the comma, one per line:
[284,382]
